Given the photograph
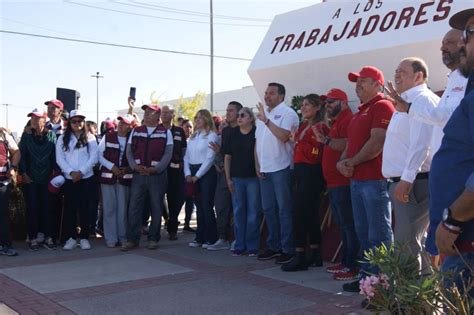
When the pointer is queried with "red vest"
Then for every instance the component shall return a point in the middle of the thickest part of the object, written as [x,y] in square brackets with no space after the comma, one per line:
[148,150]
[3,161]
[112,154]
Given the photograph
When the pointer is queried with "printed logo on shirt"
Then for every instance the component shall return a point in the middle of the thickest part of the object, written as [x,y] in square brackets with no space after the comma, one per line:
[457,89]
[277,116]
[177,138]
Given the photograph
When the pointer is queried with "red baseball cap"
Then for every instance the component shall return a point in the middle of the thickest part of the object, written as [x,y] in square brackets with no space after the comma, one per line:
[335,94]
[367,72]
[38,112]
[56,103]
[128,119]
[154,107]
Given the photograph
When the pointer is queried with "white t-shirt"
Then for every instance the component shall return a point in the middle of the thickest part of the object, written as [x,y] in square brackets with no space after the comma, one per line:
[274,155]
[12,145]
[199,152]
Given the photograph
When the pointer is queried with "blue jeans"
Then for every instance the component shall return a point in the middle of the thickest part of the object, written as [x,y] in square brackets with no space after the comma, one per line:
[372,216]
[275,190]
[206,231]
[341,205]
[456,265]
[246,204]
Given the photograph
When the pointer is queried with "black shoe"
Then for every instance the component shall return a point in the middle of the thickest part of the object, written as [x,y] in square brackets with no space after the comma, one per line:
[283,259]
[49,244]
[366,305]
[315,259]
[187,228]
[268,254]
[351,287]
[296,264]
[172,237]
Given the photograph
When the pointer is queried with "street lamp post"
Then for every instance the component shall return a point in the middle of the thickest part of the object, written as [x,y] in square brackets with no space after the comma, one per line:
[97,76]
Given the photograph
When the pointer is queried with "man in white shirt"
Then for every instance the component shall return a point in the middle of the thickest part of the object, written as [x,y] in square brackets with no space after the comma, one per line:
[452,96]
[406,161]
[274,156]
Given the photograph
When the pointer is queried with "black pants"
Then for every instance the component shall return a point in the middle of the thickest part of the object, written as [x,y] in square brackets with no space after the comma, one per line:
[76,201]
[4,217]
[39,214]
[175,197]
[309,186]
[189,208]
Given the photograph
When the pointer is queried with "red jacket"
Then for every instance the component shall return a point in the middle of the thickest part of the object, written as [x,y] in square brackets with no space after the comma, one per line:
[149,149]
[112,154]
[3,160]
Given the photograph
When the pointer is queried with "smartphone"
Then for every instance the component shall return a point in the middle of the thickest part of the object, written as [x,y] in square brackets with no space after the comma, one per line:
[133,92]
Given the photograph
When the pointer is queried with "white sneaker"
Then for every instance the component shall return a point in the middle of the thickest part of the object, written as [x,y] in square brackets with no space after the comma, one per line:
[205,245]
[194,244]
[70,244]
[232,246]
[85,244]
[221,244]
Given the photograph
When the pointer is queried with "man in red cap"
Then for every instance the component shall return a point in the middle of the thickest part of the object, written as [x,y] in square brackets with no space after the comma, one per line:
[55,123]
[361,161]
[115,179]
[338,185]
[149,153]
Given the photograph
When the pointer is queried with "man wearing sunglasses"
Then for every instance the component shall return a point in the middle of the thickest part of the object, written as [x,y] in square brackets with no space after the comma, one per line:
[452,172]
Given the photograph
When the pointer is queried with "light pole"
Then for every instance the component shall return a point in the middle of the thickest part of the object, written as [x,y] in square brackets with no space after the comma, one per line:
[212,58]
[97,76]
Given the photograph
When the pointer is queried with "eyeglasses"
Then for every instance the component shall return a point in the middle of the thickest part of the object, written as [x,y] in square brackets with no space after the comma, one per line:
[467,33]
[76,121]
[241,115]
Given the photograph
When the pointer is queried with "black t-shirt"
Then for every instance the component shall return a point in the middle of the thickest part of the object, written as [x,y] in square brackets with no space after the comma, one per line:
[241,147]
[226,134]
[179,144]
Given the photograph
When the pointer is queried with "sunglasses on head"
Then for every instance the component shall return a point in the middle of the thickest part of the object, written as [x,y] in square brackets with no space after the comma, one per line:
[467,33]
[76,121]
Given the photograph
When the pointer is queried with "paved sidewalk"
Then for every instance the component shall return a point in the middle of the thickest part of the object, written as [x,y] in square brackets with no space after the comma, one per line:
[174,279]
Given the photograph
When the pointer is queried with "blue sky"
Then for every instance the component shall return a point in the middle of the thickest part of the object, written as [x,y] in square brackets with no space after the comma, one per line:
[32,68]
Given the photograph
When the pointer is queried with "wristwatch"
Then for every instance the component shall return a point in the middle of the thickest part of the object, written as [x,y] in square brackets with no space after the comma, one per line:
[448,219]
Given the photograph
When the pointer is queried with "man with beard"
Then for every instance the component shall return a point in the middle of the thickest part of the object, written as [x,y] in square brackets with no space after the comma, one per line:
[339,186]
[452,173]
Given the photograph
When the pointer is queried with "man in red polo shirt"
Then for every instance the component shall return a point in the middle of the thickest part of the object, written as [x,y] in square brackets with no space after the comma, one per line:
[361,161]
[338,185]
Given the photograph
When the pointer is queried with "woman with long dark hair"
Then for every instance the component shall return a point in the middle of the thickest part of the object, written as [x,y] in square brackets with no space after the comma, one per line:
[76,155]
[199,170]
[309,184]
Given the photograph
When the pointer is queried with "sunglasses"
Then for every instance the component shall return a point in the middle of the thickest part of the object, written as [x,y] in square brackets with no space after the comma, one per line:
[467,33]
[241,115]
[76,121]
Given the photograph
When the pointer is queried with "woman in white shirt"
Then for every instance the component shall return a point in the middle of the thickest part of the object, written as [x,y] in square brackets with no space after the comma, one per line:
[199,170]
[76,155]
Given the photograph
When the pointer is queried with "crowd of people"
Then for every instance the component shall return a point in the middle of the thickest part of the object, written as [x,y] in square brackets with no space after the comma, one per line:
[405,150]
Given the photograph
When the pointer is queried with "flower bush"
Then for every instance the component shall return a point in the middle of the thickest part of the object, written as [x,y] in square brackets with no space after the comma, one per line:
[398,288]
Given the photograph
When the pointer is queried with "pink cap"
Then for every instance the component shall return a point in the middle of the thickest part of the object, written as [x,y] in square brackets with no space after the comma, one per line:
[56,103]
[38,112]
[154,107]
[128,119]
